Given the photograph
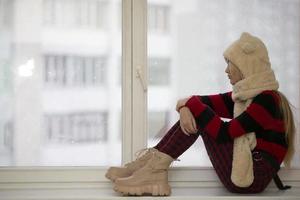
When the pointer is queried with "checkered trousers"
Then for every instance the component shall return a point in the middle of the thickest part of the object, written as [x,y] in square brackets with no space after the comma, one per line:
[175,143]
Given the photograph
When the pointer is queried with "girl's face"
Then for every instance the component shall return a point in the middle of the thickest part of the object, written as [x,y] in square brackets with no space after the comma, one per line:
[233,72]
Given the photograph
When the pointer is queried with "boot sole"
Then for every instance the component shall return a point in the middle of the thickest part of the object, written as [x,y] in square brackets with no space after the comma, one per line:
[152,189]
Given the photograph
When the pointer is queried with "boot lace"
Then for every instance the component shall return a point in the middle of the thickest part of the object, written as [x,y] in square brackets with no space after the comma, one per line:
[154,156]
[139,156]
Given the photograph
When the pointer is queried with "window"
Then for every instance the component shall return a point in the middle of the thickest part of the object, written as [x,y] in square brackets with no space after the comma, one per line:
[5,8]
[159,18]
[6,141]
[159,71]
[75,13]
[6,136]
[187,53]
[59,102]
[76,128]
[157,124]
[80,135]
[71,70]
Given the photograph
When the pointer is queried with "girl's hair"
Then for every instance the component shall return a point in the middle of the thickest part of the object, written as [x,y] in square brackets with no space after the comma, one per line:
[290,129]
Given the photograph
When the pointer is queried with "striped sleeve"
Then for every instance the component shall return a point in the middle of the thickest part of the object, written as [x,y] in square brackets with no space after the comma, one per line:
[262,114]
[221,104]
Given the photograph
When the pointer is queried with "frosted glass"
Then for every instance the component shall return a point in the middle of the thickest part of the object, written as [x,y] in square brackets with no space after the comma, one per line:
[60,95]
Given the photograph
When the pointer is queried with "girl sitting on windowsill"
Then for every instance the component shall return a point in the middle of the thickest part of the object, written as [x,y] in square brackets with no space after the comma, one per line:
[246,152]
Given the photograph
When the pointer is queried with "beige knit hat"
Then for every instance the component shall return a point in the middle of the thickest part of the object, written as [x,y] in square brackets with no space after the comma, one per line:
[249,54]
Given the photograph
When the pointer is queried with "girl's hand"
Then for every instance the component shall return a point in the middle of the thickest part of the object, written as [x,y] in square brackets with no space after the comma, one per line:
[187,121]
[181,102]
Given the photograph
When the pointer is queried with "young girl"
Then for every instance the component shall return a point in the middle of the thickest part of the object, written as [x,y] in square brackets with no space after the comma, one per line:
[246,152]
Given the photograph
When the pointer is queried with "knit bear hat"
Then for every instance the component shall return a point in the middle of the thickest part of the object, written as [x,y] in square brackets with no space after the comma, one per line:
[249,54]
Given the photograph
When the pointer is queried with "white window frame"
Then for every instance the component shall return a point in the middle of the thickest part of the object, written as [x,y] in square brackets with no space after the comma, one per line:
[134,121]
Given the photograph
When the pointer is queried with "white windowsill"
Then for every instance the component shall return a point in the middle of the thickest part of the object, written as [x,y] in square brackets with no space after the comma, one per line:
[108,193]
[90,184]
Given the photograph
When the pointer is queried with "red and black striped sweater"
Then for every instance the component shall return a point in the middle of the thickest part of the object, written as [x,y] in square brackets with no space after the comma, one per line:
[262,116]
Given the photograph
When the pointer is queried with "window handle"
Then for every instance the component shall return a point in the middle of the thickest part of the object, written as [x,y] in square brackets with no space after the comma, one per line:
[139,75]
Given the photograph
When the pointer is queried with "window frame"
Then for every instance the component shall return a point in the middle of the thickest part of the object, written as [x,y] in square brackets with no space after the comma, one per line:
[134,125]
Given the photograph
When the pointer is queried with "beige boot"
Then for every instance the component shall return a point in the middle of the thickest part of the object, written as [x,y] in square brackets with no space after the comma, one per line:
[151,179]
[119,172]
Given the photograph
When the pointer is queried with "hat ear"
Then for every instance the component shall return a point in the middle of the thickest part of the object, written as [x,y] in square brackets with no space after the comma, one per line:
[248,47]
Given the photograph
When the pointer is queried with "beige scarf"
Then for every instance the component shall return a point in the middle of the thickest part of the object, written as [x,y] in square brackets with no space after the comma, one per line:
[243,93]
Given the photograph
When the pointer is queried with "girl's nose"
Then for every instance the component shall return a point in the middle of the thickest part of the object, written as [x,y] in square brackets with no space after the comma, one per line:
[227,69]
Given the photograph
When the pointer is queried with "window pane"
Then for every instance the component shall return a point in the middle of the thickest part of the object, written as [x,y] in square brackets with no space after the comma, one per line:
[159,70]
[60,95]
[186,40]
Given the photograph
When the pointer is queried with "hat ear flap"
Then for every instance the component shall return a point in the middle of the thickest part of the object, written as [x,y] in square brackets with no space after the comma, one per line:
[248,48]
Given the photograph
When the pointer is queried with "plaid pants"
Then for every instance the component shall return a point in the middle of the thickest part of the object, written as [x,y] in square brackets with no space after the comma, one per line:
[175,143]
